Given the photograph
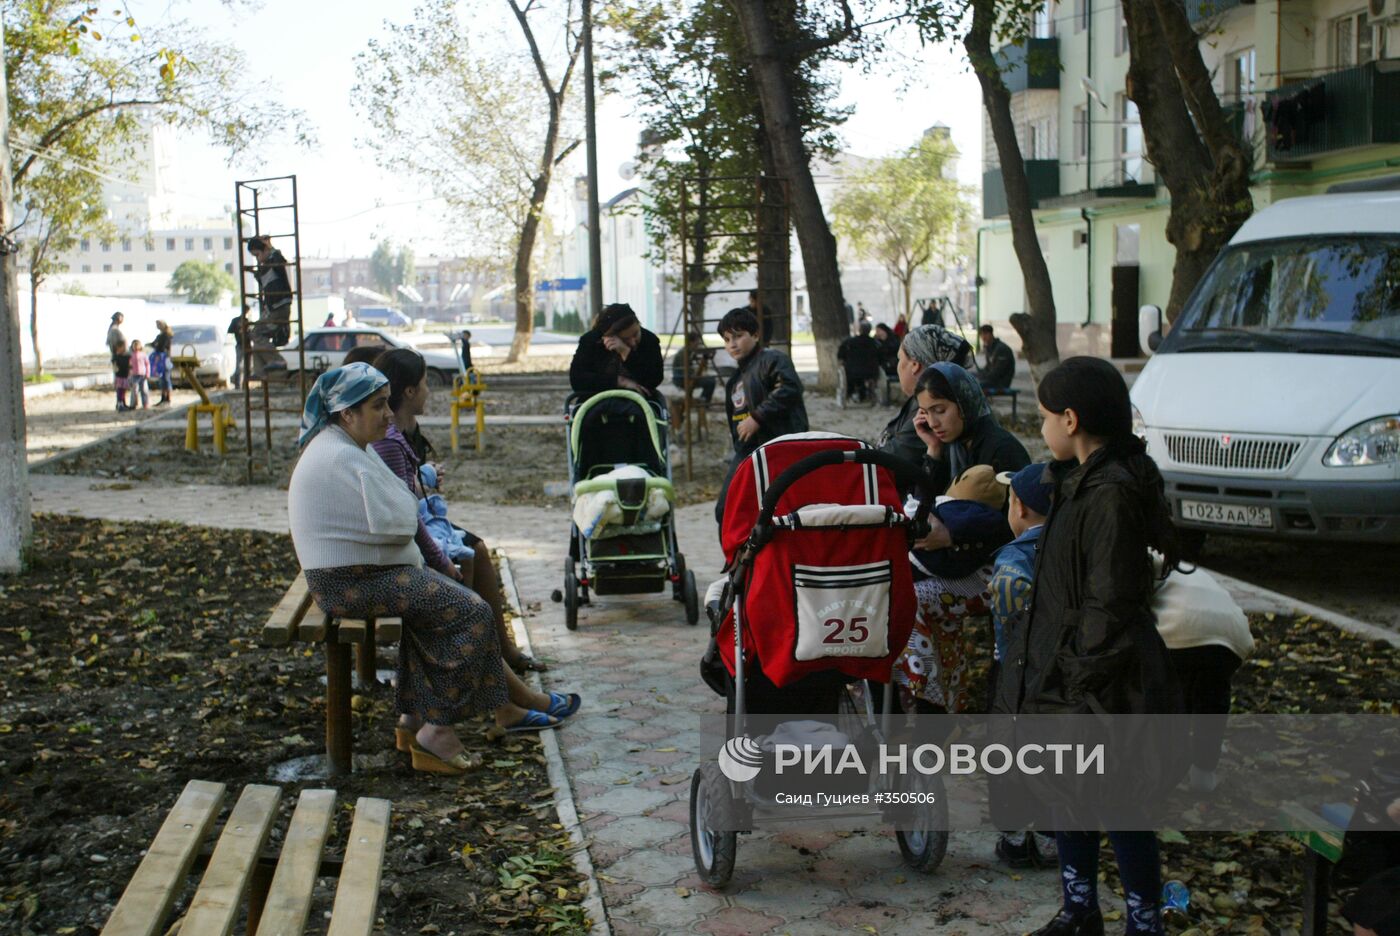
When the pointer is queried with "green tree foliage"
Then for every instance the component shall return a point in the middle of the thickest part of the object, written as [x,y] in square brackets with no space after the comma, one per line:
[459,109]
[390,267]
[904,211]
[201,283]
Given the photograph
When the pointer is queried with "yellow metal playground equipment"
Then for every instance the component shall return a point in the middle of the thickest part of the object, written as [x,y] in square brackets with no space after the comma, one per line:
[188,362]
[468,393]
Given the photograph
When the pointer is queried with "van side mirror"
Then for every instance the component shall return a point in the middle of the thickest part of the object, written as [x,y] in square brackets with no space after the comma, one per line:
[1149,328]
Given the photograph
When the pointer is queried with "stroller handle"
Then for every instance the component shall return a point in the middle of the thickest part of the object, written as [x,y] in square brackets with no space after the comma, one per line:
[901,469]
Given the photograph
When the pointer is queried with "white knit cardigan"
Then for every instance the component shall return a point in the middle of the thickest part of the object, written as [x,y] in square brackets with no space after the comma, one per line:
[347,508]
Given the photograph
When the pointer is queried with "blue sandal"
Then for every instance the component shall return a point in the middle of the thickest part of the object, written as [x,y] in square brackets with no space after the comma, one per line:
[561,706]
[534,721]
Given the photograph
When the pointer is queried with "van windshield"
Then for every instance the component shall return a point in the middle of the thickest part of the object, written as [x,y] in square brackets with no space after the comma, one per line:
[1320,295]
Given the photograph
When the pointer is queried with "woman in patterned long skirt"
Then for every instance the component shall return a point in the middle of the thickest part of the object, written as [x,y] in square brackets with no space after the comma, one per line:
[353,524]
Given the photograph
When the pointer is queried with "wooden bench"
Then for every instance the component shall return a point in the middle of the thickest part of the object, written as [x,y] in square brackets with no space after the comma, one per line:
[296,619]
[1322,836]
[277,888]
[1012,392]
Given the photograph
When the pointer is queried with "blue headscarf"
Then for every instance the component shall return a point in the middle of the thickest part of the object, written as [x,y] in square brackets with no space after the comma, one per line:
[335,390]
[976,413]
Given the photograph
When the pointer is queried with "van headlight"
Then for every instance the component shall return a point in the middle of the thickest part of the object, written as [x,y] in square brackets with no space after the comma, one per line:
[1375,442]
[1139,424]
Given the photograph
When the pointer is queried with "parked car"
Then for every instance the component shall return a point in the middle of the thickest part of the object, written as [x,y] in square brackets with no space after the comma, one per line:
[1273,404]
[213,346]
[327,347]
[382,315]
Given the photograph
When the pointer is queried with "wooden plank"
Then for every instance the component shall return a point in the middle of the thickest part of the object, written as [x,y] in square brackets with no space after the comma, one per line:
[314,628]
[1315,832]
[288,614]
[388,630]
[220,896]
[352,630]
[357,893]
[289,900]
[160,877]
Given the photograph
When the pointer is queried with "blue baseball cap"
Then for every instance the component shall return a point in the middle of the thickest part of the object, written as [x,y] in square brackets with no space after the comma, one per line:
[1030,486]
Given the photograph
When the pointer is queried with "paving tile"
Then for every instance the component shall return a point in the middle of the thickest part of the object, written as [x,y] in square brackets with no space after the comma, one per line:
[664,907]
[640,832]
[736,921]
[651,866]
[625,801]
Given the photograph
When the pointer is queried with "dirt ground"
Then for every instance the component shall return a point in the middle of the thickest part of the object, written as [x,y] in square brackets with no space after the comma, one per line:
[129,665]
[61,421]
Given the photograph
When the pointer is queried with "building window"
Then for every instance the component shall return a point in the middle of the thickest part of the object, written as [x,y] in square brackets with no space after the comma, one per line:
[150,268]
[1125,244]
[1042,142]
[1081,132]
[106,268]
[170,243]
[84,245]
[208,243]
[1043,22]
[87,268]
[1356,40]
[228,267]
[1081,15]
[106,246]
[189,243]
[1120,41]
[126,245]
[228,243]
[148,242]
[126,268]
[1129,141]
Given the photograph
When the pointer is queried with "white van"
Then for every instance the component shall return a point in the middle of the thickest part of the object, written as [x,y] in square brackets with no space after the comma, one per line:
[1273,404]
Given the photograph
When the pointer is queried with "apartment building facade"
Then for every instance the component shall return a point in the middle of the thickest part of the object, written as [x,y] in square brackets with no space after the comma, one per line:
[1312,85]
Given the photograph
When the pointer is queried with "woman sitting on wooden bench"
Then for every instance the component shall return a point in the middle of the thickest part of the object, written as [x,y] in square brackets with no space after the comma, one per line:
[353,524]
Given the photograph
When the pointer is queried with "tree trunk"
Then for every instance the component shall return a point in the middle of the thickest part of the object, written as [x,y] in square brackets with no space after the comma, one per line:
[15,523]
[34,324]
[1187,138]
[699,276]
[774,274]
[775,95]
[1036,328]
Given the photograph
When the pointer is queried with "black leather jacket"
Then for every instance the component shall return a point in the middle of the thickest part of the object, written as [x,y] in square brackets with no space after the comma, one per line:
[771,394]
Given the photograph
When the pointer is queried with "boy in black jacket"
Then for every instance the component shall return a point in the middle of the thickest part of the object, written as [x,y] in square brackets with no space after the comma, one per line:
[763,399]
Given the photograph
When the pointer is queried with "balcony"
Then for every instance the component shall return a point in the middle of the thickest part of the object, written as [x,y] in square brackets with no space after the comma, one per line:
[1042,175]
[1199,10]
[1337,111]
[1035,65]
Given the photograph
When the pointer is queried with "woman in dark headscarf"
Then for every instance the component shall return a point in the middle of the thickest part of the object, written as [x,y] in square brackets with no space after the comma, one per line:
[954,421]
[921,349]
[617,354]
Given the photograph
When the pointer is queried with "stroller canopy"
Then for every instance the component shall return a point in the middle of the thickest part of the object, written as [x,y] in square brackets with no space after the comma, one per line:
[616,427]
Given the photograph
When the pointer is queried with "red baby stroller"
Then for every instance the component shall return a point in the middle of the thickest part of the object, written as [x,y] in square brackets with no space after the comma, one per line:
[819,598]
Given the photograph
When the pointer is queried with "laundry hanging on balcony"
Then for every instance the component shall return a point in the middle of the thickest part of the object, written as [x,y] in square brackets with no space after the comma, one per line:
[1290,113]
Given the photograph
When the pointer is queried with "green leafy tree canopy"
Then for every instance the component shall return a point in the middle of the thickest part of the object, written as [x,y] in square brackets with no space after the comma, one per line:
[201,283]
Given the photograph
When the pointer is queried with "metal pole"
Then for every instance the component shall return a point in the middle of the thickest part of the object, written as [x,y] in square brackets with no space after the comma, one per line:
[590,116]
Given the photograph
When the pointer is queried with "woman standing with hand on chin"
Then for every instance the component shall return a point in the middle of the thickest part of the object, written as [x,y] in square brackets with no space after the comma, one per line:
[617,354]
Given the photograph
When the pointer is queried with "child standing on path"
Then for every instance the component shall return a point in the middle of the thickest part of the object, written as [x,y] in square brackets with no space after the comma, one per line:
[763,399]
[121,372]
[1090,644]
[140,374]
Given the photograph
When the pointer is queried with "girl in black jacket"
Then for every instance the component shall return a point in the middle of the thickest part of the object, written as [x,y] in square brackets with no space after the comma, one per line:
[1090,643]
[617,354]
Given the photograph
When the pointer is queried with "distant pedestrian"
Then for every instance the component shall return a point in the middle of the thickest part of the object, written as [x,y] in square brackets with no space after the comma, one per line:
[236,328]
[330,320]
[139,376]
[850,319]
[901,327]
[161,366]
[466,341]
[121,372]
[114,333]
[861,314]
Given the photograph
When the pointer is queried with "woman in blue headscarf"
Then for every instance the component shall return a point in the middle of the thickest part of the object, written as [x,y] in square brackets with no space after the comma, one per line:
[956,425]
[353,524]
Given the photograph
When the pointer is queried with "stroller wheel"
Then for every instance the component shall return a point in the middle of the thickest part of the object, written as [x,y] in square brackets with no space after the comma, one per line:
[924,847]
[691,598]
[570,597]
[710,803]
[678,586]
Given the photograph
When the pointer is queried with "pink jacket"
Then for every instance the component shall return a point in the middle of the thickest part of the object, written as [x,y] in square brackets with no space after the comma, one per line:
[140,365]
